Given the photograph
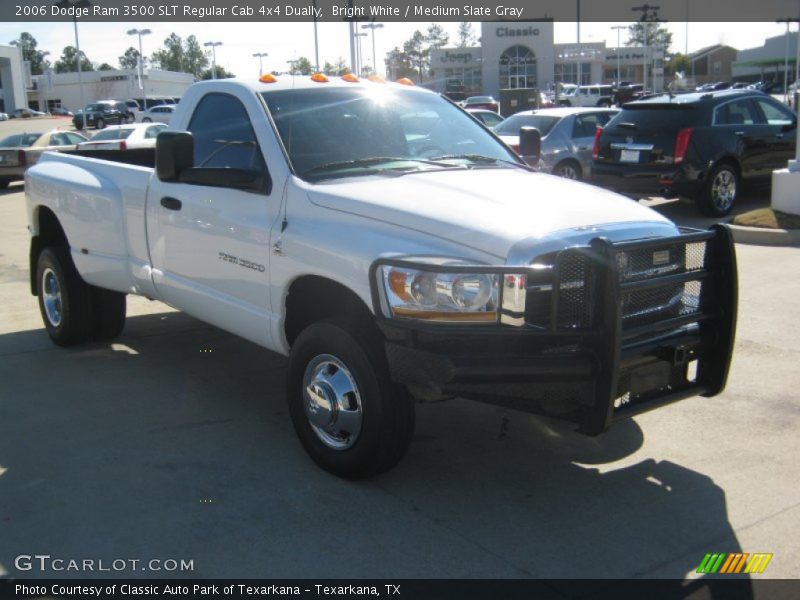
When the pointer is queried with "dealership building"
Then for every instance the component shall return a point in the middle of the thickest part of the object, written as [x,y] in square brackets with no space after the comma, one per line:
[522,54]
[12,80]
[64,89]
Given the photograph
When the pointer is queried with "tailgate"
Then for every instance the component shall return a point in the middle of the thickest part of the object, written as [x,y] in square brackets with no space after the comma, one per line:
[644,135]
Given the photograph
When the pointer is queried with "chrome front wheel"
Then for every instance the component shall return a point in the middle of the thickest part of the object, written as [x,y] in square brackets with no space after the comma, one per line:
[723,190]
[332,402]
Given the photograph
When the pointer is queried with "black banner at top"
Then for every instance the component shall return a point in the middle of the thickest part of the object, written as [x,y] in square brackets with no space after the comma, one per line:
[395,10]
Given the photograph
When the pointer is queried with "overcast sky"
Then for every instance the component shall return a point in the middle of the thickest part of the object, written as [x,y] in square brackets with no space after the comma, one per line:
[105,42]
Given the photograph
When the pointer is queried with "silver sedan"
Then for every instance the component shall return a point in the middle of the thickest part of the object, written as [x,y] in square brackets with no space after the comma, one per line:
[567,137]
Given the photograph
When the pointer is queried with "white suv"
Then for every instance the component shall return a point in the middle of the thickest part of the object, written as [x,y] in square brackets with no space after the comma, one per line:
[588,95]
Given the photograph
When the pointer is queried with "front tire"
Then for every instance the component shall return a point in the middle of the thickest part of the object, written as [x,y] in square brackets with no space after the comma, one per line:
[64,298]
[100,123]
[721,191]
[147,120]
[350,417]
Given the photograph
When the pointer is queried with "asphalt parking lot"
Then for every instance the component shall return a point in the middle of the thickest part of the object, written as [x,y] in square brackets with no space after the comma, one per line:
[174,442]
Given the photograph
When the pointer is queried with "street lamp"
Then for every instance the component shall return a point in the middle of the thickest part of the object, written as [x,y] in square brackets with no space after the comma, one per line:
[618,28]
[358,52]
[140,33]
[645,10]
[65,4]
[213,46]
[373,27]
[46,82]
[261,56]
[786,58]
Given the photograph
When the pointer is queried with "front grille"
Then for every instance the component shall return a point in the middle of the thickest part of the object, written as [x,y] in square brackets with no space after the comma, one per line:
[568,300]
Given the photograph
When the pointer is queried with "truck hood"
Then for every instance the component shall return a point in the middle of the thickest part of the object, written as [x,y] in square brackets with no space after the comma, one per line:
[489,210]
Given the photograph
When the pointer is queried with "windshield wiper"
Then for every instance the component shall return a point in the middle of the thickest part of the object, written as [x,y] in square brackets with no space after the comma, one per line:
[480,159]
[371,161]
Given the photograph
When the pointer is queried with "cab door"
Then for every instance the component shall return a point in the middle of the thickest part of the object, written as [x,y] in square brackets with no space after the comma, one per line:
[209,241]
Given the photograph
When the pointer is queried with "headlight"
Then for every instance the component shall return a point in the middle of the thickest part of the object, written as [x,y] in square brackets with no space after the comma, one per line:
[445,296]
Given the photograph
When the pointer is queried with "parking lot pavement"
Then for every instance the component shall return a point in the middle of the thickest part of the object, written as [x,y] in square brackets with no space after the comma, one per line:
[174,442]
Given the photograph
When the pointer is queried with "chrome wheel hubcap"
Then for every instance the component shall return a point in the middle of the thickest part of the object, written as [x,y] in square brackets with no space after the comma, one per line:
[51,297]
[723,190]
[568,172]
[332,402]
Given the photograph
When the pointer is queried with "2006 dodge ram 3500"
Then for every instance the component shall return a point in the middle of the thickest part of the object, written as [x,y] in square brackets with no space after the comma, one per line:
[395,250]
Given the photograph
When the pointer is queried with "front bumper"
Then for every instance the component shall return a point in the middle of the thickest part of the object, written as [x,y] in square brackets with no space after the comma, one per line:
[610,367]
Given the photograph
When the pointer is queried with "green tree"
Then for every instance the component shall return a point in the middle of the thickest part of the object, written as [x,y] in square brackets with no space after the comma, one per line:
[436,37]
[656,35]
[222,73]
[129,60]
[679,63]
[417,53]
[194,59]
[466,35]
[300,66]
[338,68]
[68,62]
[104,67]
[398,64]
[28,45]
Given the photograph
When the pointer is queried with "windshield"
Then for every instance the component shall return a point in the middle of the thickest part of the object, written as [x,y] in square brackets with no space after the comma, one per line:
[20,139]
[512,124]
[339,132]
[112,134]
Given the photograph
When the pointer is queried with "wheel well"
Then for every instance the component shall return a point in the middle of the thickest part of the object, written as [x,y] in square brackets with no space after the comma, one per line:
[312,298]
[725,160]
[50,234]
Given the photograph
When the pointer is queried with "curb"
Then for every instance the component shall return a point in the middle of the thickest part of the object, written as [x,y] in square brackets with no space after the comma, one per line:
[762,236]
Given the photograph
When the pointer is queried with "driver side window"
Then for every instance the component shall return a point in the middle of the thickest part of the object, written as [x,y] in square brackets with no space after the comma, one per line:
[223,135]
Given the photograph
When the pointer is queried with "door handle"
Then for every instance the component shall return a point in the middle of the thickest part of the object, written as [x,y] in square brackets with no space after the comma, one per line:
[171,203]
[740,133]
[779,136]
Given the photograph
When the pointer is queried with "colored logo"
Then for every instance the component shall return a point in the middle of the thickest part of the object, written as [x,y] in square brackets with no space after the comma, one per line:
[736,562]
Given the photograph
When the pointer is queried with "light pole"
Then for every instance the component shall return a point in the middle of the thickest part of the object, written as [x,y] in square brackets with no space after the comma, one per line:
[140,33]
[47,81]
[77,4]
[645,10]
[618,28]
[213,46]
[359,59]
[786,58]
[578,23]
[373,27]
[261,56]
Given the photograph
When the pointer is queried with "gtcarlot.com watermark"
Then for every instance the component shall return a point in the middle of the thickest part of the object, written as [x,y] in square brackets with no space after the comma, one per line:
[45,563]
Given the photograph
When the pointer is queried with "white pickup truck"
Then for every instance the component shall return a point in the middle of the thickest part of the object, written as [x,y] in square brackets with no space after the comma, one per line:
[395,250]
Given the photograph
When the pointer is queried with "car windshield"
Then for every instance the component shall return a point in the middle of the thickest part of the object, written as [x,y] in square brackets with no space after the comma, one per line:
[19,140]
[512,124]
[342,132]
[112,134]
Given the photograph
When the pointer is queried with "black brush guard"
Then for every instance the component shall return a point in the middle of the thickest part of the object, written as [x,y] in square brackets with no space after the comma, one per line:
[641,336]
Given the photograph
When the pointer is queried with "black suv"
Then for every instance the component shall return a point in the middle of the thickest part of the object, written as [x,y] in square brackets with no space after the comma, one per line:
[100,114]
[700,145]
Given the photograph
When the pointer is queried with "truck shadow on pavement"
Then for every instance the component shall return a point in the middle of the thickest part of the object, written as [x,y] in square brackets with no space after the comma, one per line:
[174,441]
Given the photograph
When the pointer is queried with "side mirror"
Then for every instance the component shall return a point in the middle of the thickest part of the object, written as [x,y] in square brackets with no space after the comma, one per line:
[530,144]
[174,153]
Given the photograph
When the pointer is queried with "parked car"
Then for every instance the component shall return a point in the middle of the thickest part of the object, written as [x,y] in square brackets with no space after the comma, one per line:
[588,95]
[700,145]
[124,137]
[567,137]
[626,93]
[25,113]
[133,110]
[488,117]
[59,111]
[387,268]
[158,114]
[3,116]
[485,102]
[20,151]
[100,114]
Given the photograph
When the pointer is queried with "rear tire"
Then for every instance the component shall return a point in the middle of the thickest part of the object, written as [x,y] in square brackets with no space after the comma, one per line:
[721,191]
[350,417]
[147,120]
[568,169]
[65,300]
